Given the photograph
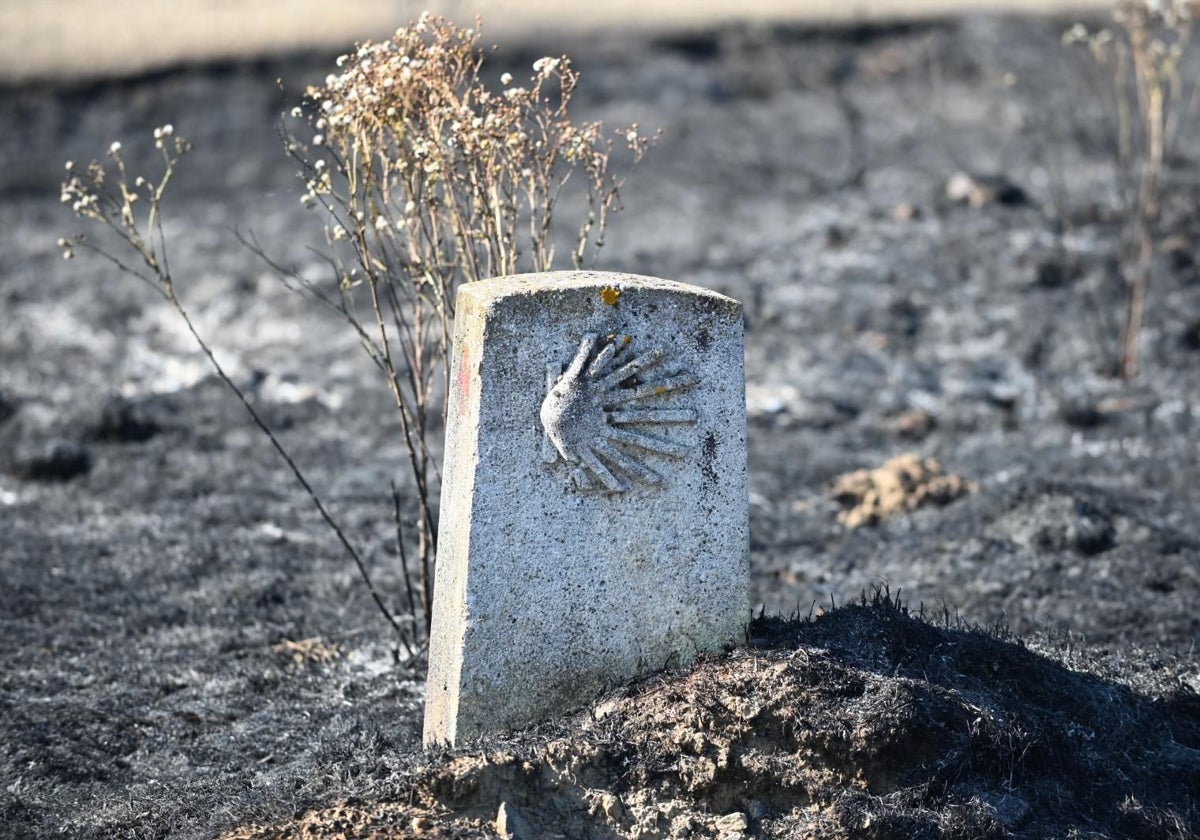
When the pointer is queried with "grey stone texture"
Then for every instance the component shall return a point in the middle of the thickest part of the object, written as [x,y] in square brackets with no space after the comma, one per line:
[594,517]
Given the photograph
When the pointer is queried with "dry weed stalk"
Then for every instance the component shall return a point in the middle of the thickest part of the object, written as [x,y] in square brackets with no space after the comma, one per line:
[132,210]
[1144,52]
[427,180]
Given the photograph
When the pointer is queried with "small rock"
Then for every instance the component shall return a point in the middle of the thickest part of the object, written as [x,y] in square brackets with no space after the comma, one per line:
[961,188]
[611,806]
[605,708]
[732,822]
[682,826]
[510,825]
[767,399]
[980,190]
[1004,395]
[915,424]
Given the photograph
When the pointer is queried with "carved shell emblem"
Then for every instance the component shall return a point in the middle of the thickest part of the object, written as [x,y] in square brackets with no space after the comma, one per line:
[596,414]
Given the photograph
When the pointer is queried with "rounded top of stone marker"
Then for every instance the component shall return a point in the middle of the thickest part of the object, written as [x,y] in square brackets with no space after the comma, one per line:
[611,286]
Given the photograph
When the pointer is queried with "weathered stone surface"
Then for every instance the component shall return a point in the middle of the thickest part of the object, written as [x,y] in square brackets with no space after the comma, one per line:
[594,507]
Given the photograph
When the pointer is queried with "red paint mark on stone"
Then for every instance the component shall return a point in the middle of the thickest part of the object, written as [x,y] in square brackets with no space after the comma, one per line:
[464,379]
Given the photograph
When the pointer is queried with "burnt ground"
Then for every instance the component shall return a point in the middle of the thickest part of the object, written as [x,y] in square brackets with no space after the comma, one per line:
[184,650]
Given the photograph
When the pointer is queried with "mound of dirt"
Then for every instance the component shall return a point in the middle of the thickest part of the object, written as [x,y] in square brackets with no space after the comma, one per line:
[868,722]
[902,484]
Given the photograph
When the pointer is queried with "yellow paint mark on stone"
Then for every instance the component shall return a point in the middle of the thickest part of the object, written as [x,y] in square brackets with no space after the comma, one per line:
[609,295]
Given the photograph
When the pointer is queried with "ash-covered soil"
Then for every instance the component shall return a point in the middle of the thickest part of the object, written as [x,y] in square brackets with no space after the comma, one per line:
[184,649]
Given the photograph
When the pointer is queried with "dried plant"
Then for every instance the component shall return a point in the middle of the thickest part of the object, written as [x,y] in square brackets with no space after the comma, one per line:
[1144,52]
[132,210]
[426,179]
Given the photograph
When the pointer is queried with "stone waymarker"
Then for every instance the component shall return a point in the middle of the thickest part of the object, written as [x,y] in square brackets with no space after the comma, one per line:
[594,520]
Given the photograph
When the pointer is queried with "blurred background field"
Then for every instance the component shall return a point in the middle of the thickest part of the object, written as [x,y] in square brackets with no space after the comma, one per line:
[71,38]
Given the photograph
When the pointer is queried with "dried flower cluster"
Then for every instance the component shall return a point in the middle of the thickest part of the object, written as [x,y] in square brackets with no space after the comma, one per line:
[103,193]
[1144,53]
[443,175]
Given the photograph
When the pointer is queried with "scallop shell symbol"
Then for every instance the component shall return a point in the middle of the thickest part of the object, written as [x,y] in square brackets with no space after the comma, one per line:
[594,412]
